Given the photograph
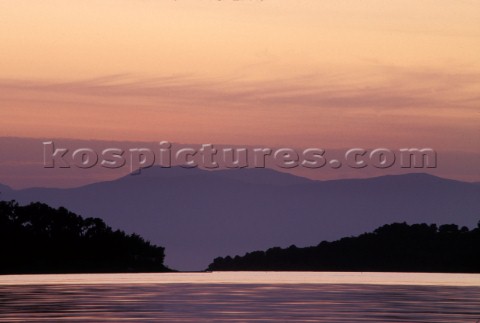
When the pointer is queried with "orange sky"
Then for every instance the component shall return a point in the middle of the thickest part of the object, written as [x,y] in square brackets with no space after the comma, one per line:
[272,72]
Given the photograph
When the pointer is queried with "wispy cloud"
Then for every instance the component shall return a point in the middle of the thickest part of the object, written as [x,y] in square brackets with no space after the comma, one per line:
[390,105]
[389,88]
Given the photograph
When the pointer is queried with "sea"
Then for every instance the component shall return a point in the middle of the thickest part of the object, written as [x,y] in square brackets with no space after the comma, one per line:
[241,297]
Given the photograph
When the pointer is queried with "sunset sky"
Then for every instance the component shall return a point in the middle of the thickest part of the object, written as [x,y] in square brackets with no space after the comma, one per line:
[334,74]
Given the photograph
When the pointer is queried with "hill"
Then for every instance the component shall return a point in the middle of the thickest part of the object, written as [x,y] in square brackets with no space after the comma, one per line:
[198,215]
[397,247]
[39,239]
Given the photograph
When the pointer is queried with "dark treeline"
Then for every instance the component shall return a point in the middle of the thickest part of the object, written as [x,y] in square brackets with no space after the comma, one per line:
[39,239]
[395,247]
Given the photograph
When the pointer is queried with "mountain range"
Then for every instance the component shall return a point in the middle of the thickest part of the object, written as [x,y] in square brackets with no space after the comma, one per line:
[198,215]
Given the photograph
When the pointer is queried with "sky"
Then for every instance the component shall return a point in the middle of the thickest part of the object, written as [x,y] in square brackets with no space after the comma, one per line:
[330,74]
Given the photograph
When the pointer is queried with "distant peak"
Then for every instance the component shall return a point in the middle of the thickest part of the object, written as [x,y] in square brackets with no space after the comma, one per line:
[157,171]
[247,175]
[4,188]
[417,177]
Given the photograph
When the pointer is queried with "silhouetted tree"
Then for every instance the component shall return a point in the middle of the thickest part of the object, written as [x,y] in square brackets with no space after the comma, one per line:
[39,239]
[392,247]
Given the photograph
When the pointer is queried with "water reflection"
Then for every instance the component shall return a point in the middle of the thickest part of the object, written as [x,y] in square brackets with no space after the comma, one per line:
[206,302]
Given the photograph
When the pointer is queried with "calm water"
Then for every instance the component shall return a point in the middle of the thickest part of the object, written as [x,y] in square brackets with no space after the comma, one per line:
[241,297]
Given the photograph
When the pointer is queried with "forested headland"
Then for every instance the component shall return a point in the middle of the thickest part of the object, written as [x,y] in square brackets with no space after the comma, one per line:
[397,247]
[37,238]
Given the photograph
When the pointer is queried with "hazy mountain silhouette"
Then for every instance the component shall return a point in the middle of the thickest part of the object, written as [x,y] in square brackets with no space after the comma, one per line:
[4,188]
[198,215]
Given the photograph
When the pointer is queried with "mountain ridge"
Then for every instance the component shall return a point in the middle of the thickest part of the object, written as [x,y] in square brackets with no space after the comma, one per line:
[199,215]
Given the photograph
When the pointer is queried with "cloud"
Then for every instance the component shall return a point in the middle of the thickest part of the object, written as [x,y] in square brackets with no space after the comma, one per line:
[388,88]
[388,106]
